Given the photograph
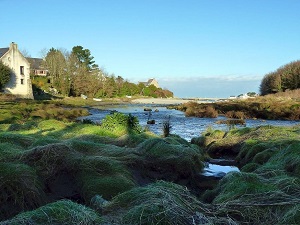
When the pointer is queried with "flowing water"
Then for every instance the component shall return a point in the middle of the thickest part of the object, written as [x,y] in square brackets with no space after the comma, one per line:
[186,127]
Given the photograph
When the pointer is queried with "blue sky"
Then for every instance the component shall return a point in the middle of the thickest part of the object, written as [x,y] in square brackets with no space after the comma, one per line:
[195,48]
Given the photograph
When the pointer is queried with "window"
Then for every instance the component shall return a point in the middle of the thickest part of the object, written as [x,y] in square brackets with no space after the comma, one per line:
[22,81]
[22,70]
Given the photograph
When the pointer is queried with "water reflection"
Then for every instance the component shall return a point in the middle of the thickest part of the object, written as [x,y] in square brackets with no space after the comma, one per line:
[186,127]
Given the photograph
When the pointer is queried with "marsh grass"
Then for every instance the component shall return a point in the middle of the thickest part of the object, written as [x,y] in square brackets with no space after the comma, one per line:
[49,160]
[279,106]
[16,139]
[257,198]
[160,203]
[9,152]
[21,189]
[267,188]
[63,212]
[172,160]
[23,110]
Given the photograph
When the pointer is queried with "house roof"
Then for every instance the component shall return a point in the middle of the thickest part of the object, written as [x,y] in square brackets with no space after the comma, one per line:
[35,63]
[3,51]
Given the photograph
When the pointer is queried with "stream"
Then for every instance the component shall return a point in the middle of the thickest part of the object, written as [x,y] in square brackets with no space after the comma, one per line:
[185,127]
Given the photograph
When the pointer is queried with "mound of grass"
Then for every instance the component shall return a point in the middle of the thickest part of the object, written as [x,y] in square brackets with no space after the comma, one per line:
[62,212]
[16,139]
[288,159]
[52,125]
[49,160]
[258,198]
[103,176]
[245,143]
[42,141]
[9,151]
[160,203]
[20,188]
[169,159]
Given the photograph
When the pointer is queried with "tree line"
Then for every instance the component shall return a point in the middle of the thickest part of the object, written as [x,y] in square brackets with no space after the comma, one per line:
[75,73]
[285,78]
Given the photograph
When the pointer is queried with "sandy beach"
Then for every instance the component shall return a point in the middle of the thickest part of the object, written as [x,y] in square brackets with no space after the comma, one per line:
[160,101]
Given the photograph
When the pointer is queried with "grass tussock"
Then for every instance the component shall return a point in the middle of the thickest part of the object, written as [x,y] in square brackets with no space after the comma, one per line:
[49,160]
[104,176]
[267,188]
[9,152]
[258,198]
[21,189]
[62,212]
[171,158]
[160,203]
[16,139]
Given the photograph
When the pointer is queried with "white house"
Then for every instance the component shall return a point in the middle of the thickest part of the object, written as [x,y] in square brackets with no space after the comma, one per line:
[20,83]
[151,81]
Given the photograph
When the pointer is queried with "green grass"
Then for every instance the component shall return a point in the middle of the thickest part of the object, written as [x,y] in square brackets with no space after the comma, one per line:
[159,203]
[267,188]
[21,189]
[62,212]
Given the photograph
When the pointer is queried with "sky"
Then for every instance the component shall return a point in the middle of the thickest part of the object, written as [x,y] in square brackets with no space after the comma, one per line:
[195,48]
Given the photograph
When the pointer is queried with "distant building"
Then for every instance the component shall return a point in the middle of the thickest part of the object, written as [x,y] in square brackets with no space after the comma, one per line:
[151,81]
[19,83]
[36,67]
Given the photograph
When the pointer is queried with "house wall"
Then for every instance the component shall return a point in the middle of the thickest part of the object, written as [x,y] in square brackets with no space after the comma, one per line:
[20,83]
[155,83]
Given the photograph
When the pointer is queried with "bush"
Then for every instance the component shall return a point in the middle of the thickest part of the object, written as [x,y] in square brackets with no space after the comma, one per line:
[127,123]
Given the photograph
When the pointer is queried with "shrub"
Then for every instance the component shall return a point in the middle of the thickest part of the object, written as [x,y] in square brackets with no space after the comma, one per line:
[210,112]
[127,123]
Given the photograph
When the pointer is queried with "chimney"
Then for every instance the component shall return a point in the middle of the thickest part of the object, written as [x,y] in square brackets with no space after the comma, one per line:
[13,45]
